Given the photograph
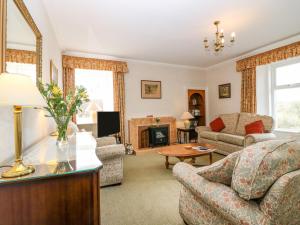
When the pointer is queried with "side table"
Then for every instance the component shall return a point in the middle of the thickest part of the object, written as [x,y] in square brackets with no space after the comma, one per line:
[187,134]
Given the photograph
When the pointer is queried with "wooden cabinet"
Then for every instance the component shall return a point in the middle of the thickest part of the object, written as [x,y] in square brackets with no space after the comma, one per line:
[63,190]
[196,101]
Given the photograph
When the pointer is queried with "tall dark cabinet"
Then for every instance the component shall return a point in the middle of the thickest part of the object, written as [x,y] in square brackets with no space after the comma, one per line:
[196,101]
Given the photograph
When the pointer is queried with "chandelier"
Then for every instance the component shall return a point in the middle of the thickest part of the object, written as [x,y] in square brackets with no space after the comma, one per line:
[219,42]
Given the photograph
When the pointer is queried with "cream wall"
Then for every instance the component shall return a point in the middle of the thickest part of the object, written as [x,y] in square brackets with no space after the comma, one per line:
[175,82]
[35,125]
[222,74]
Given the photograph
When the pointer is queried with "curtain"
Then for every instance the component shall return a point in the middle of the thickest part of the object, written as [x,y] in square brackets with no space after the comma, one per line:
[248,91]
[119,68]
[248,68]
[69,83]
[20,56]
[119,101]
[274,55]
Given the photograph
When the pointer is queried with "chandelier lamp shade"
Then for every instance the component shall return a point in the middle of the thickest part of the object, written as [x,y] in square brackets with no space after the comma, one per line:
[219,41]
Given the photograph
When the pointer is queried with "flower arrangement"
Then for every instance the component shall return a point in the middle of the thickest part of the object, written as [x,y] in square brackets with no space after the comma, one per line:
[62,109]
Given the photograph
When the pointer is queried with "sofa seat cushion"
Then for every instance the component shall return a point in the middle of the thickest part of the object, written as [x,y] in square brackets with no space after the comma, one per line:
[260,165]
[220,171]
[209,135]
[230,120]
[232,139]
[247,118]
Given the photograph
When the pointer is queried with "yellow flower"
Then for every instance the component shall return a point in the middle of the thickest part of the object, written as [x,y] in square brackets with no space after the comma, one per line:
[56,91]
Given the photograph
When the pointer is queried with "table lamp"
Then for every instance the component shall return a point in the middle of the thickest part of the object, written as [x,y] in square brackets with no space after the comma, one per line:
[18,91]
[186,116]
[93,108]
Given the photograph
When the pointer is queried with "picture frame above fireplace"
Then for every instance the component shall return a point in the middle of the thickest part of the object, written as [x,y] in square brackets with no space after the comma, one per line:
[150,89]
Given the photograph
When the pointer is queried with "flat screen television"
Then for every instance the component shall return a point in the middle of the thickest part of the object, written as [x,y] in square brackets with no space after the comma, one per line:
[108,123]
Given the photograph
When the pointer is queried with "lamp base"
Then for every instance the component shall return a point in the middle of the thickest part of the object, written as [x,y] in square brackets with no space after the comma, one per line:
[187,124]
[18,170]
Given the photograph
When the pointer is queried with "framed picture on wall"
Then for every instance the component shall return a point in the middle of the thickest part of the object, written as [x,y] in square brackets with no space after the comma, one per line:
[53,73]
[225,90]
[150,89]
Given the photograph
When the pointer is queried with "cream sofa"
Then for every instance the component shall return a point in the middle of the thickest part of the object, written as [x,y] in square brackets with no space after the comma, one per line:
[233,137]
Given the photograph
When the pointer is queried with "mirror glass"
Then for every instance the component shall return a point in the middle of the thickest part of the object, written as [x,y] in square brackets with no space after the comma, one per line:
[21,54]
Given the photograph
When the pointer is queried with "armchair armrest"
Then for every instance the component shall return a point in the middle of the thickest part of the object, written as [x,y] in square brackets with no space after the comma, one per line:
[110,151]
[282,202]
[202,128]
[254,138]
[103,141]
[220,197]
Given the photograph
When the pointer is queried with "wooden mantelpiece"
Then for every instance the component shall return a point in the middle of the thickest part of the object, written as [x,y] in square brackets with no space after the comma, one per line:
[135,123]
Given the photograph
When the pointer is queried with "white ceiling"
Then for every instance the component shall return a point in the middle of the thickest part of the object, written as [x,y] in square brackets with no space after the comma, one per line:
[170,31]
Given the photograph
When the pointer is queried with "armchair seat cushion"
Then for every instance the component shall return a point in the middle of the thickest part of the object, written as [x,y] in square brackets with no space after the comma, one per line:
[211,135]
[260,165]
[232,139]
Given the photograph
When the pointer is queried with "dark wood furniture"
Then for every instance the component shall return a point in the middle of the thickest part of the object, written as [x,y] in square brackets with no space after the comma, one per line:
[196,101]
[181,152]
[189,134]
[63,190]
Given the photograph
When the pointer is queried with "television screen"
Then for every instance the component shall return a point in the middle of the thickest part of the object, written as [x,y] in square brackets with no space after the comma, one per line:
[108,123]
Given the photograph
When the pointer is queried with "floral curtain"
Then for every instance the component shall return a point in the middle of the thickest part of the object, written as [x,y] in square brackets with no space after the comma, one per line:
[70,63]
[248,91]
[248,68]
[119,101]
[20,56]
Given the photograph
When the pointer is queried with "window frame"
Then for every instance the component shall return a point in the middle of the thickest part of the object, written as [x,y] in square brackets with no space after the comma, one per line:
[275,87]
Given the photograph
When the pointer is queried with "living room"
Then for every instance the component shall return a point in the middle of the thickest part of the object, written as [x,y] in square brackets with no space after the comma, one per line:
[149,112]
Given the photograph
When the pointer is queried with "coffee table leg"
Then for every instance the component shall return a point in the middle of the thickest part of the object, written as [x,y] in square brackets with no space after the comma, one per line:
[193,160]
[210,158]
[167,162]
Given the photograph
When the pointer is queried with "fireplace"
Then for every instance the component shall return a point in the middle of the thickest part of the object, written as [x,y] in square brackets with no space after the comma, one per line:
[158,136]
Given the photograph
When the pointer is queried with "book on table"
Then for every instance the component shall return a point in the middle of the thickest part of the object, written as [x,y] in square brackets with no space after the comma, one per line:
[200,148]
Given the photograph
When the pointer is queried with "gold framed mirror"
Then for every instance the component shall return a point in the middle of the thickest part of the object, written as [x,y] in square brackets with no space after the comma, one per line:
[21,48]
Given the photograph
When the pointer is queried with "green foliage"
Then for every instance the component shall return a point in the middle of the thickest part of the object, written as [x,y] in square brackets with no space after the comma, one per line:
[62,109]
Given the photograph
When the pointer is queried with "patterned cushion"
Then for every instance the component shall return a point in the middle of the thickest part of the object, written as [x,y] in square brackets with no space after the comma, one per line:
[232,139]
[220,171]
[246,118]
[230,120]
[260,165]
[209,135]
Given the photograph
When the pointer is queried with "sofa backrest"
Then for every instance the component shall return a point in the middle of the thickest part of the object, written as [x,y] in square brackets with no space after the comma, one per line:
[230,120]
[246,118]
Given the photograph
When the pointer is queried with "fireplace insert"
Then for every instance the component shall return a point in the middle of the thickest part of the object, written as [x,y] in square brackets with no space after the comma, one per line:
[158,136]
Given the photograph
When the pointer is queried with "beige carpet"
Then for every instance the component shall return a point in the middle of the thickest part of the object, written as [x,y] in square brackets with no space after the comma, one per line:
[148,196]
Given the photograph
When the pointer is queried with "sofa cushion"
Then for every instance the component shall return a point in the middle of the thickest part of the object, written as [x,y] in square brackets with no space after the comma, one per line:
[247,118]
[209,135]
[217,125]
[256,127]
[232,139]
[220,171]
[260,165]
[230,120]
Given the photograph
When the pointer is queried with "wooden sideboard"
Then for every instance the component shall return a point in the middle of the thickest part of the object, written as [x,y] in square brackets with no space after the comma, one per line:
[64,189]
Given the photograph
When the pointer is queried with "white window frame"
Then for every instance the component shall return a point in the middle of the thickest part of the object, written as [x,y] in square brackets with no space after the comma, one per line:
[275,87]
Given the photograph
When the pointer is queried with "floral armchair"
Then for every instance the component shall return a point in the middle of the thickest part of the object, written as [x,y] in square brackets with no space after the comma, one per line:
[213,200]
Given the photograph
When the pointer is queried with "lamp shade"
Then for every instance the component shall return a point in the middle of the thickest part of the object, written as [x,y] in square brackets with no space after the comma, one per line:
[186,116]
[19,90]
[93,107]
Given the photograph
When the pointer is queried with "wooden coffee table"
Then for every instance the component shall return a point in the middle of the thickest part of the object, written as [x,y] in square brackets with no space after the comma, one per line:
[180,152]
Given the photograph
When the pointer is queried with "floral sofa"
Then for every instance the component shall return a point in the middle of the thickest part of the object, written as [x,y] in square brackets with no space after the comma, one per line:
[256,186]
[233,137]
[111,155]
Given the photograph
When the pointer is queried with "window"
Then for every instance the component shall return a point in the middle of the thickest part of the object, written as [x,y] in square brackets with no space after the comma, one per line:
[99,85]
[22,68]
[286,95]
